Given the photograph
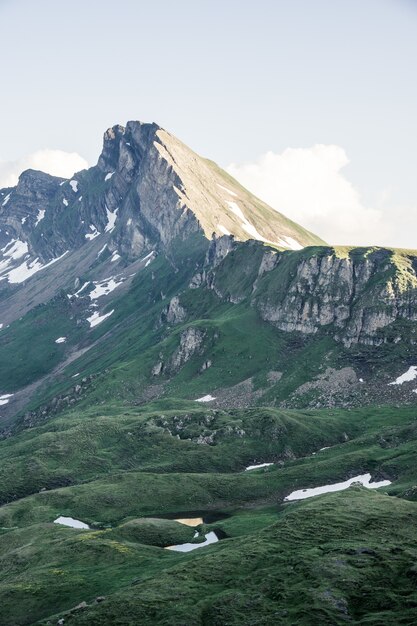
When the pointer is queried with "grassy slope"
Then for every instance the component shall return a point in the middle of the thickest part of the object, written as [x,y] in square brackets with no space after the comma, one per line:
[48,569]
[109,462]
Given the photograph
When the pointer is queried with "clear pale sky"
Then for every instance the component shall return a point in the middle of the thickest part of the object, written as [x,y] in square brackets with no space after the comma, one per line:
[311,103]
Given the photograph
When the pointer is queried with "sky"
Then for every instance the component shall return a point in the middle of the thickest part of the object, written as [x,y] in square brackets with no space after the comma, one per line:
[310,103]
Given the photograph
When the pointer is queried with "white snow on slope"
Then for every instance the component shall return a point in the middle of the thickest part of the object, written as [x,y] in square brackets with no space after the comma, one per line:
[74,185]
[292,243]
[115,256]
[246,225]
[236,210]
[108,176]
[95,319]
[223,229]
[207,398]
[65,201]
[71,522]
[101,250]
[15,249]
[364,479]
[23,220]
[111,220]
[61,340]
[6,199]
[104,287]
[232,193]
[28,269]
[409,375]
[40,216]
[94,234]
[252,467]
[4,399]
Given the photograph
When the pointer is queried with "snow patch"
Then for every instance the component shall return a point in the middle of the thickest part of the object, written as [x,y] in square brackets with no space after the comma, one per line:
[6,199]
[40,216]
[211,537]
[95,319]
[232,193]
[252,467]
[23,220]
[65,201]
[223,229]
[15,249]
[4,399]
[71,522]
[293,244]
[104,287]
[108,176]
[102,250]
[74,185]
[94,234]
[409,375]
[207,398]
[28,269]
[115,256]
[111,220]
[61,340]
[364,479]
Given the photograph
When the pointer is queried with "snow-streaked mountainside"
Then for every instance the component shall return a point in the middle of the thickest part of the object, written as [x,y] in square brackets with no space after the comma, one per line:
[155,224]
[147,189]
[183,367]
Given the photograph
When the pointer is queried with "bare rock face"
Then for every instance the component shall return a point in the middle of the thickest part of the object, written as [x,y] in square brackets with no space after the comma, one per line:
[175,313]
[191,342]
[356,298]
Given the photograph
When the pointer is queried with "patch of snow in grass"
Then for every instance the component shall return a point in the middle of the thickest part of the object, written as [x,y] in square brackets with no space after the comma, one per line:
[95,319]
[211,537]
[104,287]
[74,185]
[61,340]
[80,198]
[40,216]
[71,522]
[108,176]
[4,399]
[207,398]
[252,467]
[65,202]
[364,479]
[409,375]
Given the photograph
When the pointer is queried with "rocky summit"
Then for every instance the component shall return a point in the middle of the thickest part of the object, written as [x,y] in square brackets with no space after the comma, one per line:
[207,413]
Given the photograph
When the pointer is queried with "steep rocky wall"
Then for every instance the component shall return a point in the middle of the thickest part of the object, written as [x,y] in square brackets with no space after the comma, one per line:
[352,296]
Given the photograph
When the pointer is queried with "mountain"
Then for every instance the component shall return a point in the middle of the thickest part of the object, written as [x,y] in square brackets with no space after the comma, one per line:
[162,330]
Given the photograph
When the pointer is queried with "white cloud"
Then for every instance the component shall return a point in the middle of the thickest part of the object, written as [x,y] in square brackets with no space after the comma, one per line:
[55,162]
[309,187]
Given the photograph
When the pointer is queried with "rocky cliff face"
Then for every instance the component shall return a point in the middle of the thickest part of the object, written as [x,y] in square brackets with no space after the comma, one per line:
[354,296]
